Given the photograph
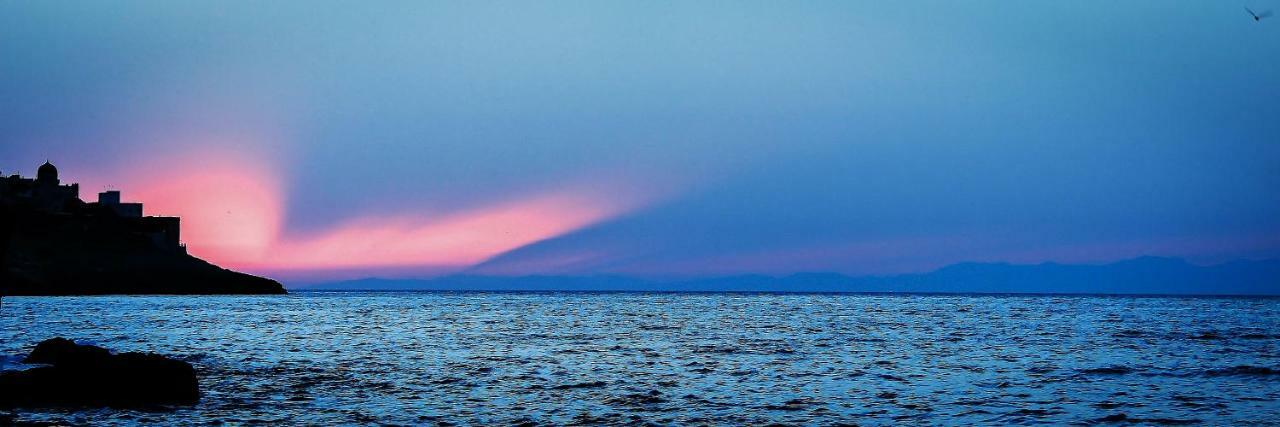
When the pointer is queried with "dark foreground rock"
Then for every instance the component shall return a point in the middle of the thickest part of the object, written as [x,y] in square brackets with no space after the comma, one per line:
[86,375]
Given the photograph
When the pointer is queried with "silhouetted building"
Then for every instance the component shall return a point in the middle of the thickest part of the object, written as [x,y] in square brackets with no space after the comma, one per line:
[47,196]
[47,174]
[44,193]
[111,200]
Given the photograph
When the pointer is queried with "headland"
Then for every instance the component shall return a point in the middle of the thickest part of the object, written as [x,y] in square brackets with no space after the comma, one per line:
[54,243]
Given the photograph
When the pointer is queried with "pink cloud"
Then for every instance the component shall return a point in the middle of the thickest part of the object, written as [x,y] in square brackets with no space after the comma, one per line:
[460,239]
[233,208]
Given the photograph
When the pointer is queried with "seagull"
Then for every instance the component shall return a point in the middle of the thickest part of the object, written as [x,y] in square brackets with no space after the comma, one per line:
[1258,16]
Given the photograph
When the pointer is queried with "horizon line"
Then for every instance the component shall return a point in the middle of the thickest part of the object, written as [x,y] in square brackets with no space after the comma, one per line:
[658,279]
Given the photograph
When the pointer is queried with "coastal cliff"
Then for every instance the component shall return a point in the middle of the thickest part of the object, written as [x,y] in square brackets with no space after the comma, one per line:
[53,243]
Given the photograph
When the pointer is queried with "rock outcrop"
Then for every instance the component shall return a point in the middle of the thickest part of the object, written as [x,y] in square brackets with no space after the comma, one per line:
[90,376]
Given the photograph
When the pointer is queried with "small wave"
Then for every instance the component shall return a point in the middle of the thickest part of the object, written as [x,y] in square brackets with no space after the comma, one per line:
[448,380]
[1108,405]
[1041,369]
[1122,418]
[1258,336]
[1243,370]
[1206,336]
[716,349]
[659,327]
[590,384]
[798,404]
[1108,370]
[972,402]
[1031,412]
[653,397]
[893,378]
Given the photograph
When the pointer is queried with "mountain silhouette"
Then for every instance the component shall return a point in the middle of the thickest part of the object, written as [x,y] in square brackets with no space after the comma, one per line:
[1145,275]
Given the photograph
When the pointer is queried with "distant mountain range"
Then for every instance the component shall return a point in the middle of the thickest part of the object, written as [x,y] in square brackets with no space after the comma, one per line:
[1145,275]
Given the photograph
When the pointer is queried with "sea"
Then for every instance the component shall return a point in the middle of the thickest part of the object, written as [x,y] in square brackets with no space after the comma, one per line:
[548,358]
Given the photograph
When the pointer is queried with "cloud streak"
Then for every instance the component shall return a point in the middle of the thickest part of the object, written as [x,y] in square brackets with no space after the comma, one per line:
[233,207]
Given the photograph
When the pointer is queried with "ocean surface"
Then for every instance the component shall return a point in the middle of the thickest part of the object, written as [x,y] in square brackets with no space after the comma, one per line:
[476,358]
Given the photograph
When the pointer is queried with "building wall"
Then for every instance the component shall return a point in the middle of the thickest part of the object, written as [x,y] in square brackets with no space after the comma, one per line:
[48,197]
[127,210]
[164,230]
[111,197]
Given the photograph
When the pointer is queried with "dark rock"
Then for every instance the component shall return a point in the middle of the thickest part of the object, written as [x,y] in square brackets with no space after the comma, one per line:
[85,375]
[64,352]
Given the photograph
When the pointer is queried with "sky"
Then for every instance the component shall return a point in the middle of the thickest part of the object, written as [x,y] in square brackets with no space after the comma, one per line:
[314,140]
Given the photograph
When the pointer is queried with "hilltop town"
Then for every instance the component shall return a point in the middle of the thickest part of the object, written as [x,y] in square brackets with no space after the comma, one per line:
[54,243]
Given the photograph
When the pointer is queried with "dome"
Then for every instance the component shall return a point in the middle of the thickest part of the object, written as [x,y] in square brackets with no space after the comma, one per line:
[47,172]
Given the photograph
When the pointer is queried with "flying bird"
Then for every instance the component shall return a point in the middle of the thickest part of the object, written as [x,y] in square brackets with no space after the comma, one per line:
[1258,16]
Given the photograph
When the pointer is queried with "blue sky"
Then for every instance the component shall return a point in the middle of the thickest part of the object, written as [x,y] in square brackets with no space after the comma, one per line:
[670,138]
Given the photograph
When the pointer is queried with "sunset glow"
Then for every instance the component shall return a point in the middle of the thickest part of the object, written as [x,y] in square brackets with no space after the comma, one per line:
[231,206]
[233,213]
[430,139]
[454,240]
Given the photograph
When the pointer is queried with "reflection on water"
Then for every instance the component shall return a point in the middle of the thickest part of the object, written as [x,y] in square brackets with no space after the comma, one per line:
[680,359]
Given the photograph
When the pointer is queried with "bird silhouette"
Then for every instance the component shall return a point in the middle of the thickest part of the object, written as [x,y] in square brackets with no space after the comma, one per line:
[1258,16]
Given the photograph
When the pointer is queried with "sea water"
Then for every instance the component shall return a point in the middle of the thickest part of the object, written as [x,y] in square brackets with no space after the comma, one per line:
[681,359]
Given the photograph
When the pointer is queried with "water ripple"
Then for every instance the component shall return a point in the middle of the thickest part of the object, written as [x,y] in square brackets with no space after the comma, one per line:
[683,359]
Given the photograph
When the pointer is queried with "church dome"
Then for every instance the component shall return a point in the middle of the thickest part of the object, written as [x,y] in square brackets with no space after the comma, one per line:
[47,172]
